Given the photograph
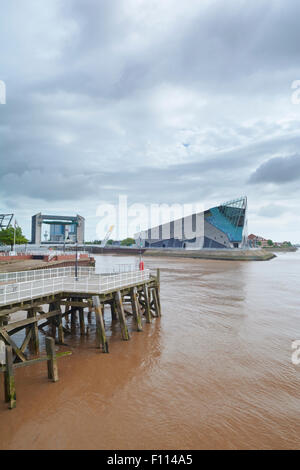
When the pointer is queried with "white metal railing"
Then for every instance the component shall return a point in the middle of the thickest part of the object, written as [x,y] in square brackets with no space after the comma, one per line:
[6,251]
[38,274]
[118,268]
[19,291]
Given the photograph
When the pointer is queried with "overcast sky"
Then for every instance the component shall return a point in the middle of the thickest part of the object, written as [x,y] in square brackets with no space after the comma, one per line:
[164,101]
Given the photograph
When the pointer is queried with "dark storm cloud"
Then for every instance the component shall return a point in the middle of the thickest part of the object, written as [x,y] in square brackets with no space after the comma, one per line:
[277,170]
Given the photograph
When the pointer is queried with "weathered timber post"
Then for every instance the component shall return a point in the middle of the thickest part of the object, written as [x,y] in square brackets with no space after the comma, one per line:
[60,329]
[34,344]
[73,315]
[51,362]
[67,312]
[147,303]
[100,329]
[89,315]
[52,320]
[121,314]
[113,309]
[9,379]
[81,321]
[136,308]
[158,289]
[155,301]
[57,323]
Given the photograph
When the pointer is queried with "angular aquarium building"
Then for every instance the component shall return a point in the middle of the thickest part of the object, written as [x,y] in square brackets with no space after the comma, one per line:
[223,226]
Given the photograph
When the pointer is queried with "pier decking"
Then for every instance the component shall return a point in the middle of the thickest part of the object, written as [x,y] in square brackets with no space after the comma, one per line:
[51,296]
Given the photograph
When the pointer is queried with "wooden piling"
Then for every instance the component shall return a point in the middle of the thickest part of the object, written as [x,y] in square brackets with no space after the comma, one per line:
[155,302]
[51,362]
[60,330]
[89,315]
[67,310]
[81,321]
[147,303]
[113,309]
[100,329]
[34,343]
[9,379]
[136,309]
[121,314]
[52,321]
[73,318]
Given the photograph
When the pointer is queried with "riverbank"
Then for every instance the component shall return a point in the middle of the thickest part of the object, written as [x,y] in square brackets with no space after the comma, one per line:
[281,249]
[30,264]
[228,255]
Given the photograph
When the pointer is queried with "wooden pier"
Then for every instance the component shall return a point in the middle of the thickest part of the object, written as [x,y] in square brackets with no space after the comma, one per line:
[55,298]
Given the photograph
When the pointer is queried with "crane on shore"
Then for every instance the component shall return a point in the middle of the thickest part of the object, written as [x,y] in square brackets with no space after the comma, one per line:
[105,239]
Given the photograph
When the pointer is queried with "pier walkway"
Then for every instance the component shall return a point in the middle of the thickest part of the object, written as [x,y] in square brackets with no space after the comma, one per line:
[55,298]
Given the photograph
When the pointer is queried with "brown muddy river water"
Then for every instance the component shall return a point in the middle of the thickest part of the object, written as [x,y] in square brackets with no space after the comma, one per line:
[214,372]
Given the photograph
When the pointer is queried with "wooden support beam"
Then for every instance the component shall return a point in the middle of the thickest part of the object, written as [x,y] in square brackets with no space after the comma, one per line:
[9,379]
[10,342]
[127,312]
[66,330]
[51,362]
[122,320]
[147,304]
[26,340]
[19,365]
[136,309]
[19,325]
[77,303]
[100,329]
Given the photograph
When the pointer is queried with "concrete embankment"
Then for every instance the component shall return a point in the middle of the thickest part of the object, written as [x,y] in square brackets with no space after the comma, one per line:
[281,249]
[229,255]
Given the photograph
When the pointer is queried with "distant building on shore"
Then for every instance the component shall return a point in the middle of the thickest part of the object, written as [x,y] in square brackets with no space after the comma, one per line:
[224,226]
[257,241]
[49,229]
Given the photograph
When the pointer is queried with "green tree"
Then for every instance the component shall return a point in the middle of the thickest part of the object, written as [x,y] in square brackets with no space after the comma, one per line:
[270,243]
[128,241]
[7,236]
[110,242]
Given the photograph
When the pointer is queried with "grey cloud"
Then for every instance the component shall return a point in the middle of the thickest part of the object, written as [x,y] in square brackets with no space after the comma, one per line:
[272,210]
[277,170]
[164,101]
